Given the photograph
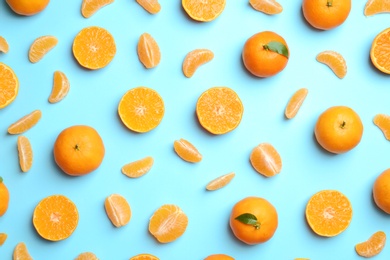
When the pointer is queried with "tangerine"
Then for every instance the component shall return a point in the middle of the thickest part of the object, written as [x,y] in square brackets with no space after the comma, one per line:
[379,48]
[372,246]
[381,191]
[9,85]
[219,257]
[27,7]
[4,197]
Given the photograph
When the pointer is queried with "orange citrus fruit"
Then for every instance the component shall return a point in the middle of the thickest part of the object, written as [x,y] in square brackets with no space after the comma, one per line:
[138,168]
[203,10]
[335,61]
[253,220]
[219,110]
[3,238]
[79,150]
[194,59]
[382,121]
[25,123]
[141,109]
[25,153]
[4,47]
[219,257]
[27,7]
[220,181]
[4,197]
[9,85]
[118,210]
[40,47]
[295,103]
[168,223]
[86,256]
[266,160]
[379,48]
[338,129]
[373,246]
[187,151]
[328,213]
[152,6]
[373,7]
[90,7]
[265,54]
[60,87]
[55,217]
[94,47]
[144,257]
[326,14]
[266,6]
[381,191]
[21,252]
[148,51]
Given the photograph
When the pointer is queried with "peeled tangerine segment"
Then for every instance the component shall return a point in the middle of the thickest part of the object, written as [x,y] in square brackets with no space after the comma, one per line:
[25,153]
[21,252]
[335,61]
[382,121]
[266,160]
[187,151]
[266,6]
[86,256]
[118,210]
[220,182]
[25,123]
[194,59]
[60,88]
[152,6]
[295,103]
[138,168]
[373,7]
[3,238]
[90,7]
[373,246]
[4,47]
[40,47]
[148,51]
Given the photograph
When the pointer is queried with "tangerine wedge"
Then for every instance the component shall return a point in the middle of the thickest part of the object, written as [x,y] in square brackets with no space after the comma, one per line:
[379,49]
[187,151]
[21,252]
[25,123]
[205,10]
[144,257]
[9,85]
[373,7]
[86,256]
[60,87]
[25,152]
[194,59]
[118,210]
[219,257]
[266,160]
[138,168]
[90,7]
[382,121]
[152,6]
[220,182]
[4,47]
[148,51]
[168,223]
[40,47]
[266,6]
[3,238]
[335,61]
[373,246]
[295,103]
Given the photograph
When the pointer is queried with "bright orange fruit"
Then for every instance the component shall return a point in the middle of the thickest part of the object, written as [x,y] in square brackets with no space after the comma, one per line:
[40,47]
[141,109]
[379,48]
[118,210]
[9,85]
[152,6]
[335,61]
[144,257]
[381,191]
[138,168]
[55,217]
[28,7]
[220,181]
[4,47]
[60,87]
[194,59]
[219,110]
[219,257]
[148,51]
[295,103]
[382,121]
[168,223]
[86,256]
[373,246]
[21,252]
[373,7]
[205,10]
[328,213]
[187,151]
[266,6]
[90,7]
[94,47]
[266,160]
[3,237]
[4,197]
[25,123]
[25,152]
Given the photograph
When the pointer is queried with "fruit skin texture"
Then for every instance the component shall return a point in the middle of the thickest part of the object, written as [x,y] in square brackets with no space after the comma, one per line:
[381,191]
[266,215]
[326,14]
[79,150]
[219,257]
[4,197]
[27,7]
[259,61]
[338,129]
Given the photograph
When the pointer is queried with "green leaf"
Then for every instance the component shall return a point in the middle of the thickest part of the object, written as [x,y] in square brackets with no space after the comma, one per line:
[277,47]
[249,219]
[1,179]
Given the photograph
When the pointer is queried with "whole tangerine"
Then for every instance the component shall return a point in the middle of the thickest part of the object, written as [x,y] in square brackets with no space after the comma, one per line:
[338,129]
[4,197]
[265,54]
[79,150]
[326,14]
[253,220]
[27,7]
[381,191]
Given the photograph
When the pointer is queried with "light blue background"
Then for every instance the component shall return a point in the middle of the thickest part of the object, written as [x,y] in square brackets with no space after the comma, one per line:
[93,100]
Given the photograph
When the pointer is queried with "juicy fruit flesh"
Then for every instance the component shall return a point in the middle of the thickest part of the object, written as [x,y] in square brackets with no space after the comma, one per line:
[379,50]
[204,10]
[9,85]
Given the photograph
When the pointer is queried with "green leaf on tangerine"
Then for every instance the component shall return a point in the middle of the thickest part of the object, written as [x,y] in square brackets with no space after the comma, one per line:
[277,47]
[1,179]
[248,218]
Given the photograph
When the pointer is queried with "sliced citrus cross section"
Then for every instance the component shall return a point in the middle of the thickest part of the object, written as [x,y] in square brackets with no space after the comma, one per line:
[118,210]
[25,123]
[86,256]
[141,109]
[295,103]
[187,151]
[379,49]
[21,252]
[90,7]
[25,153]
[144,257]
[168,223]
[266,6]
[266,160]
[220,181]
[40,47]
[4,47]
[152,6]
[3,238]
[335,61]
[373,246]
[373,7]
[194,59]
[60,87]
[138,168]
[382,121]
[328,213]
[148,51]
[94,47]
[9,85]
[204,10]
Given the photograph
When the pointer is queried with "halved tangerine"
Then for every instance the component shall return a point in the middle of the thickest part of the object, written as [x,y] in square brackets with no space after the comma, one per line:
[9,85]
[335,61]
[204,10]
[144,257]
[379,49]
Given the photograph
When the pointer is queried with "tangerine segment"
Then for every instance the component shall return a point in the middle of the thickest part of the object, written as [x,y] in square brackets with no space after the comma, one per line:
[194,59]
[60,88]
[138,168]
[141,109]
[86,256]
[219,257]
[3,237]
[148,51]
[373,246]
[40,47]
[25,153]
[152,6]
[25,123]
[187,151]
[220,182]
[266,6]
[94,47]
[118,210]
[90,7]
[219,110]
[4,47]
[379,49]
[205,10]
[295,103]
[328,213]
[9,85]
[21,252]
[4,197]
[382,121]
[168,223]
[55,217]
[144,257]
[373,7]
[266,160]
[335,61]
